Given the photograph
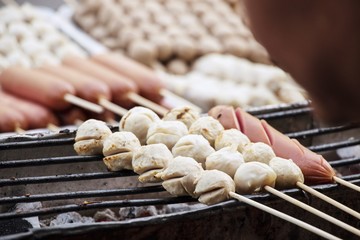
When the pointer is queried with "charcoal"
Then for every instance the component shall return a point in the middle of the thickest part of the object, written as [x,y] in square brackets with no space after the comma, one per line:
[105,216]
[136,212]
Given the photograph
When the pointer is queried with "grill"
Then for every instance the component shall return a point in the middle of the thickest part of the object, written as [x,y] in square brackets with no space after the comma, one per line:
[42,167]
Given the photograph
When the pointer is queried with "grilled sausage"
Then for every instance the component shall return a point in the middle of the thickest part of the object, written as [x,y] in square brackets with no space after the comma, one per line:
[147,81]
[11,119]
[315,168]
[119,85]
[37,86]
[86,87]
[36,115]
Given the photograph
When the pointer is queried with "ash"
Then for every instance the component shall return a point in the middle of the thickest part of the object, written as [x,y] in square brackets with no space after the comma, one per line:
[70,218]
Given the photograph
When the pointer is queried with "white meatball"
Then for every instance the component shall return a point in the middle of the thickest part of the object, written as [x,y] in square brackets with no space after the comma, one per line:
[138,120]
[185,114]
[258,152]
[17,58]
[150,160]
[32,47]
[118,150]
[166,132]
[288,173]
[253,176]
[45,58]
[194,146]
[230,137]
[20,30]
[90,137]
[209,127]
[8,44]
[214,186]
[226,160]
[178,168]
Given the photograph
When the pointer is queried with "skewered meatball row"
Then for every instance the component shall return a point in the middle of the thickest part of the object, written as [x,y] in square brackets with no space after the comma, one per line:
[172,32]
[182,170]
[217,79]
[28,40]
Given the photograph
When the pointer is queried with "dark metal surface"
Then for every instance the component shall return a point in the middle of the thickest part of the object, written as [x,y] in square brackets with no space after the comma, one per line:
[45,168]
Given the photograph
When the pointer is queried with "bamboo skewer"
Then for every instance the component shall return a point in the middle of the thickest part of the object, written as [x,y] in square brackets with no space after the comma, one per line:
[346,183]
[165,92]
[284,216]
[147,103]
[83,103]
[112,107]
[328,200]
[313,210]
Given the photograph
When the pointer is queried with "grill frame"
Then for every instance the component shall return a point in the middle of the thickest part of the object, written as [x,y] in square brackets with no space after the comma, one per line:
[305,132]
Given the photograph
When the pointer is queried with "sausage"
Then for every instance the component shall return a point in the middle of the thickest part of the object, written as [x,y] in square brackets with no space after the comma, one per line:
[11,119]
[226,116]
[36,86]
[147,81]
[36,115]
[119,85]
[71,116]
[86,87]
[315,168]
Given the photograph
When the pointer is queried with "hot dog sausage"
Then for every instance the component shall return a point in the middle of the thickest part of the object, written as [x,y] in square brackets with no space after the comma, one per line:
[86,87]
[315,168]
[36,115]
[118,84]
[147,81]
[10,119]
[36,86]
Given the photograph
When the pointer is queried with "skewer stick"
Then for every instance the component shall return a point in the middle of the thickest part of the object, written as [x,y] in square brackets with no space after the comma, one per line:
[313,210]
[147,103]
[328,200]
[83,103]
[284,216]
[112,107]
[52,127]
[165,92]
[18,129]
[346,183]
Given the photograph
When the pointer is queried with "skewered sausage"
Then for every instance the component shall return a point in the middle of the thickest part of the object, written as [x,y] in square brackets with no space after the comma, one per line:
[315,168]
[37,86]
[86,87]
[119,85]
[36,115]
[11,119]
[147,81]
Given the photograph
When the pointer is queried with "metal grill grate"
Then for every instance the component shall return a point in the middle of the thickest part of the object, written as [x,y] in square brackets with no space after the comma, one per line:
[326,140]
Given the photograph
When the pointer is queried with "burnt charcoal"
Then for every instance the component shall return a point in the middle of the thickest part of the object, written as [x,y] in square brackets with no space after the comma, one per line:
[13,226]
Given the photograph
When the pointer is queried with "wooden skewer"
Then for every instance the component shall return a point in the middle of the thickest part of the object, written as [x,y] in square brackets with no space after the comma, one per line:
[136,98]
[328,200]
[165,92]
[52,127]
[18,129]
[83,103]
[346,183]
[284,216]
[313,210]
[112,107]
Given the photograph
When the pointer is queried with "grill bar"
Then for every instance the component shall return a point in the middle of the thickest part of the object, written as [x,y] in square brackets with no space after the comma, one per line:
[36,143]
[158,201]
[64,178]
[284,114]
[81,194]
[336,145]
[320,131]
[46,161]
[278,108]
[344,162]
